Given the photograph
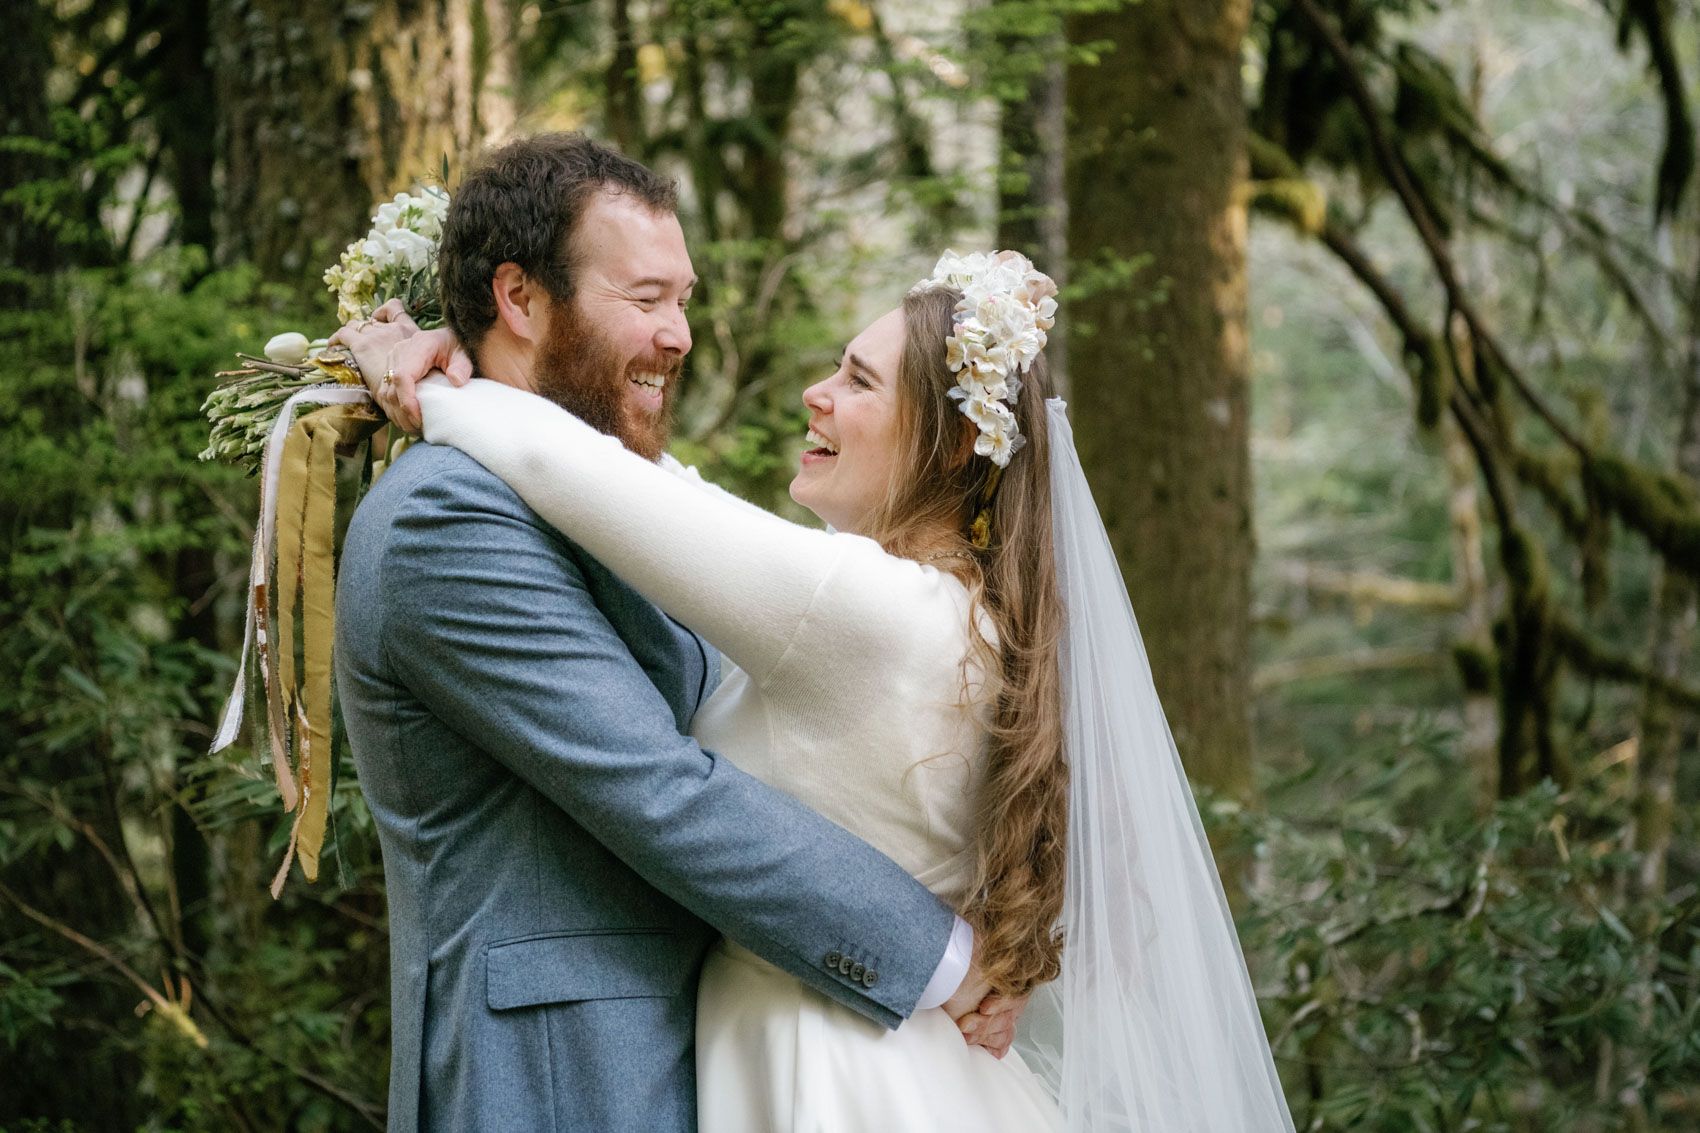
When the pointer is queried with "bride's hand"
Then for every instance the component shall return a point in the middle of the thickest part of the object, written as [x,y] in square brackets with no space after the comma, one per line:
[992,1024]
[393,355]
[371,340]
[983,1018]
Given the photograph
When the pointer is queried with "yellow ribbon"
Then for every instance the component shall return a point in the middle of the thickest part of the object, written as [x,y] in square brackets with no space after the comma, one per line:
[980,531]
[306,589]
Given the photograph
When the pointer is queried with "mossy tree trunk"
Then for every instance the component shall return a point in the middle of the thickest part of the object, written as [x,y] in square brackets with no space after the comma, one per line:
[1474,646]
[1475,637]
[26,249]
[622,99]
[327,108]
[1676,605]
[188,117]
[1033,218]
[1159,367]
[1033,184]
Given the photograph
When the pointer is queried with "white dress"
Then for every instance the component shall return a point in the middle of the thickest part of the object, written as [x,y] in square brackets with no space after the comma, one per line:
[848,682]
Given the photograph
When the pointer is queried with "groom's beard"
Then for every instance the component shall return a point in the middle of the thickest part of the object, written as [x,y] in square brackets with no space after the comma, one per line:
[580,370]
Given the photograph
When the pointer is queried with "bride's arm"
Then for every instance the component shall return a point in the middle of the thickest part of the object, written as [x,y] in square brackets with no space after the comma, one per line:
[742,577]
[689,474]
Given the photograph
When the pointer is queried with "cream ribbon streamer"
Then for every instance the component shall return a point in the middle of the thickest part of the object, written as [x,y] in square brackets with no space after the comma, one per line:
[257,621]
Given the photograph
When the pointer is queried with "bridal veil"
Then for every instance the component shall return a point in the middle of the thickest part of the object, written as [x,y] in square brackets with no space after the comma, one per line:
[1153,1024]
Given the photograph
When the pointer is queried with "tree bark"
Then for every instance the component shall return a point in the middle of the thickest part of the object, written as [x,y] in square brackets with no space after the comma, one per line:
[26,248]
[775,70]
[496,111]
[1033,217]
[1677,604]
[1480,740]
[187,111]
[327,109]
[1161,382]
[620,83]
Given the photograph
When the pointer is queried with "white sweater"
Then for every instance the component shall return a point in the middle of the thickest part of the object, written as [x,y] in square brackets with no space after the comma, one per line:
[844,682]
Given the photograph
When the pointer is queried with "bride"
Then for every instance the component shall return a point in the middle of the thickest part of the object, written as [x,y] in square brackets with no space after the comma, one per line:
[953,673]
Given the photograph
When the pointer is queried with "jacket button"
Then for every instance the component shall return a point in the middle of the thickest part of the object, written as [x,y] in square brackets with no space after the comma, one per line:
[832,959]
[844,965]
[856,972]
[870,978]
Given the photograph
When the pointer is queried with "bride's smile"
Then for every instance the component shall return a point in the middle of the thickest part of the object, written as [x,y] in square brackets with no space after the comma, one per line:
[847,470]
[823,447]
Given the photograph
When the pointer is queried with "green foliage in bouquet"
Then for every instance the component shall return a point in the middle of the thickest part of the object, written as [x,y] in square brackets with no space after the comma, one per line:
[396,259]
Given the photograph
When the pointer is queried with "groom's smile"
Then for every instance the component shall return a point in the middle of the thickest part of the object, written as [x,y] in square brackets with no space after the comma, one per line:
[651,390]
[627,319]
[650,384]
[612,351]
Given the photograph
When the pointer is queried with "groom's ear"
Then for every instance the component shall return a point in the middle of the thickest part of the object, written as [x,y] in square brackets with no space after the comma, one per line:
[518,301]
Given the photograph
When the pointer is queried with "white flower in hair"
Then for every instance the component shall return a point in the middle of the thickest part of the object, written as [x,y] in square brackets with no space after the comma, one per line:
[1000,443]
[1007,307]
[958,271]
[984,407]
[1025,347]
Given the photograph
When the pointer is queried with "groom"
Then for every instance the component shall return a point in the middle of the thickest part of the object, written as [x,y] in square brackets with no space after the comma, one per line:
[558,853]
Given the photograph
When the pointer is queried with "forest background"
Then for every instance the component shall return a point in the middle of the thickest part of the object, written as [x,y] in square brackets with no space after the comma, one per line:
[1382,341]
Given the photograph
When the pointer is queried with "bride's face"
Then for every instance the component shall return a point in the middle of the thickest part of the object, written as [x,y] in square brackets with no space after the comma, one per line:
[852,457]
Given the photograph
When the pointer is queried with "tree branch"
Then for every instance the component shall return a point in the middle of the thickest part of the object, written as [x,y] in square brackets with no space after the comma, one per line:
[176,1006]
[1399,176]
[1370,587]
[1589,656]
[1676,165]
[1345,664]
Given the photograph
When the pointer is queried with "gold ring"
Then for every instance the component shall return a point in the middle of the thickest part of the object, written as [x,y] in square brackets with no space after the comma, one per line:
[389,380]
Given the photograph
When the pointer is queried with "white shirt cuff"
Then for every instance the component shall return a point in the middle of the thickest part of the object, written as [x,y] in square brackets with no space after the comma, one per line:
[952,969]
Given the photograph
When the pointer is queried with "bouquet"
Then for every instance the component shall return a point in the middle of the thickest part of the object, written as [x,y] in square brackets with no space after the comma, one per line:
[396,259]
[301,420]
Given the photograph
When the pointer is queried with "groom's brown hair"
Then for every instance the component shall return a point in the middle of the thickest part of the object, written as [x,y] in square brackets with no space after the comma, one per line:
[521,204]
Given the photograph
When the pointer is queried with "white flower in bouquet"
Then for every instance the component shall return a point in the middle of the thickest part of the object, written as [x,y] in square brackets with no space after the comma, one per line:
[397,259]
[288,349]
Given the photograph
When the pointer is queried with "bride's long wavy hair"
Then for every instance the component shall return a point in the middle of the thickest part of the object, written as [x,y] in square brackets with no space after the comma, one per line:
[1021,842]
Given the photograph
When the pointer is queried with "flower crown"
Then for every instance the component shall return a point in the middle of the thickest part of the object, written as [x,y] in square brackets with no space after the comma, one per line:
[1007,306]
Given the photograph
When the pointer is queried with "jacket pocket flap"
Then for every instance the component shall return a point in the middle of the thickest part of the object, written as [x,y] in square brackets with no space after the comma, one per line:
[565,967]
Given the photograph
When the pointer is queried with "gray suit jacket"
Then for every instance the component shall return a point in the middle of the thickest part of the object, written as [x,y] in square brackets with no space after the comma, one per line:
[556,849]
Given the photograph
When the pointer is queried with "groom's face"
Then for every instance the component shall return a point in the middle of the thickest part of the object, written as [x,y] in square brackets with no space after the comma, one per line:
[614,352]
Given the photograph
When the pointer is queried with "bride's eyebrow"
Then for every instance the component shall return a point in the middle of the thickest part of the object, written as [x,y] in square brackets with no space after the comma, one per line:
[863,366]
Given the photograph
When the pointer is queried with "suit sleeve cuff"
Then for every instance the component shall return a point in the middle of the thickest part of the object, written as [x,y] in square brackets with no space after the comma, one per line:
[952,969]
